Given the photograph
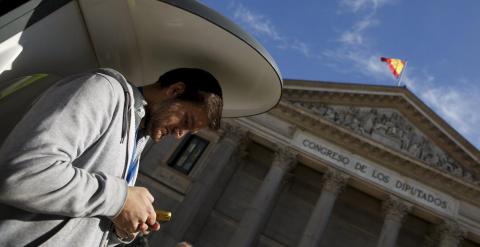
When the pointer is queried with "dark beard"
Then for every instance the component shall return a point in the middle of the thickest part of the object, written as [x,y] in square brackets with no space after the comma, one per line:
[158,115]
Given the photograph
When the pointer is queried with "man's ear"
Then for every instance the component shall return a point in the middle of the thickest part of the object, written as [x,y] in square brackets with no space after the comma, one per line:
[175,89]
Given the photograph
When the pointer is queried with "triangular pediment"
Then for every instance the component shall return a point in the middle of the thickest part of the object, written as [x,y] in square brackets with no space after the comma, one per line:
[392,117]
[388,127]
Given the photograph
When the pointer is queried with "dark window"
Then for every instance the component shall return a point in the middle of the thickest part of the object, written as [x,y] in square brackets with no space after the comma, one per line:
[187,153]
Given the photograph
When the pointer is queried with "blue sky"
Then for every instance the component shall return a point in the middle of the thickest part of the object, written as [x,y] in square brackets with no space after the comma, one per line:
[343,40]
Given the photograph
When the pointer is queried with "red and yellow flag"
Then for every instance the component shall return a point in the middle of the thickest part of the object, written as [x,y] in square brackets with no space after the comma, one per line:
[396,65]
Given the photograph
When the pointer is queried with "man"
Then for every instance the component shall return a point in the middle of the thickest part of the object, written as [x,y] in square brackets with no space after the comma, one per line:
[65,167]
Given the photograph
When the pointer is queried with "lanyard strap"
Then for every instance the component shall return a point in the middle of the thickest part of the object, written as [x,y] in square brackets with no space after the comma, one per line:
[132,167]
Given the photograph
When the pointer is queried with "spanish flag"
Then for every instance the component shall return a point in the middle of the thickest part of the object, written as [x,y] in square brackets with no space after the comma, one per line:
[396,65]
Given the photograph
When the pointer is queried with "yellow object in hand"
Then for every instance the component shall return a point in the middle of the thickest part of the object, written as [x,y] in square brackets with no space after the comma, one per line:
[163,216]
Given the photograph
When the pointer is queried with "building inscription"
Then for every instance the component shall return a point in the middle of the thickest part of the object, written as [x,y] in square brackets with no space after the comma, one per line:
[386,178]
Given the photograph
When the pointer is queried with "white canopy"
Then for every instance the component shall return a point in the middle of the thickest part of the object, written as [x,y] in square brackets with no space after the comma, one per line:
[142,39]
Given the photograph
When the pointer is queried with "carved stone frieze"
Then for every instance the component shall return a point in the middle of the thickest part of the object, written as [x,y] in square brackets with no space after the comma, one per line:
[388,127]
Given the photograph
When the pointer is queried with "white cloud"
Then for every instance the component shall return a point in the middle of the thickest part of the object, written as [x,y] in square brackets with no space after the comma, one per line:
[358,61]
[455,103]
[351,38]
[356,34]
[354,54]
[301,47]
[262,27]
[354,49]
[259,24]
[357,5]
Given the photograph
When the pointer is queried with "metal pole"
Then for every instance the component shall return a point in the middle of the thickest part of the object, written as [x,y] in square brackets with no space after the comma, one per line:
[401,74]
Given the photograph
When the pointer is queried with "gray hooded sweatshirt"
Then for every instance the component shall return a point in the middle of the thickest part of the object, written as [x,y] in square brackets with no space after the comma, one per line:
[61,167]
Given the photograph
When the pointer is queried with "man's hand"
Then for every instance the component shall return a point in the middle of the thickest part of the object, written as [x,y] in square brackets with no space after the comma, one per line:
[125,236]
[137,214]
[183,244]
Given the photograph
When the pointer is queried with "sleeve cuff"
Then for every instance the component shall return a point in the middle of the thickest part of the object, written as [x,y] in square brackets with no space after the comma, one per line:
[117,195]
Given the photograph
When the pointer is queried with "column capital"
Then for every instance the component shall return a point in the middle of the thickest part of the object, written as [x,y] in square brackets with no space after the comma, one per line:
[241,150]
[285,157]
[334,181]
[232,131]
[450,233]
[395,208]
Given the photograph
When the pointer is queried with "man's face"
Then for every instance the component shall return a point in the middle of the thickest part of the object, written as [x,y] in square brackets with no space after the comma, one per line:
[175,117]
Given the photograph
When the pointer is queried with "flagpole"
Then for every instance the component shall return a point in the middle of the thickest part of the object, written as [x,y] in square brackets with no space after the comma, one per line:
[399,81]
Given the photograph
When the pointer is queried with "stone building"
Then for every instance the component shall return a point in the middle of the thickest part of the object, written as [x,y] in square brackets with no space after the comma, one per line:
[331,165]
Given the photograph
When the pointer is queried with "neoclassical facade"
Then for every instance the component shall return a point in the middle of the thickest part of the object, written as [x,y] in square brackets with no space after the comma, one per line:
[331,165]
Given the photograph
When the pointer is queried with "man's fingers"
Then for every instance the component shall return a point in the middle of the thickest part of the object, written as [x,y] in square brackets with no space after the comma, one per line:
[155,227]
[146,229]
[152,216]
[143,227]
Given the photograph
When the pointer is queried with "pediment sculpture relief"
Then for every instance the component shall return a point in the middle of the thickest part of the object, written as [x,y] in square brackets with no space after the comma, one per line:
[388,127]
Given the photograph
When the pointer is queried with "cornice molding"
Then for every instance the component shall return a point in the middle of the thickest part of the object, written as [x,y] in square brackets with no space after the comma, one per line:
[377,152]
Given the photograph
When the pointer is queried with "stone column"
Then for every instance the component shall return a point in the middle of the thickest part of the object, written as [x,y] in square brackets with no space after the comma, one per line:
[450,234]
[431,238]
[242,140]
[202,186]
[395,210]
[261,206]
[333,182]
